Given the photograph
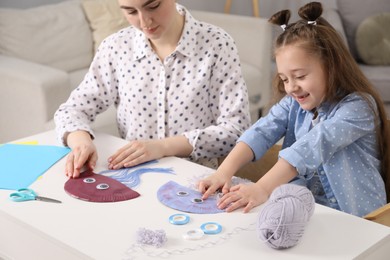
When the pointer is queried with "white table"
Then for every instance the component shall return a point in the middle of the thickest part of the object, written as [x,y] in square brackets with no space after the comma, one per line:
[77,229]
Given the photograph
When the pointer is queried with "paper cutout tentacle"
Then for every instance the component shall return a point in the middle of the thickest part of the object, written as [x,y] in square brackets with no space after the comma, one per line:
[131,177]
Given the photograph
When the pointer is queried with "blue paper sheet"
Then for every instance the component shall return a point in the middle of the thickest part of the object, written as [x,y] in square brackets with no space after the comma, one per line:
[21,165]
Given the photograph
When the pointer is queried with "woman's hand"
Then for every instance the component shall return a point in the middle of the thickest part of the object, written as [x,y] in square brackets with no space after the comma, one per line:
[136,152]
[83,153]
[243,195]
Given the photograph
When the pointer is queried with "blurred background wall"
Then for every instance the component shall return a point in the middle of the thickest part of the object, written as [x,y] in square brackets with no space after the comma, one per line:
[241,7]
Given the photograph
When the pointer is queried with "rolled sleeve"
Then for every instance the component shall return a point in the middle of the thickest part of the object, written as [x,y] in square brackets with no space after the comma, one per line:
[268,130]
[335,131]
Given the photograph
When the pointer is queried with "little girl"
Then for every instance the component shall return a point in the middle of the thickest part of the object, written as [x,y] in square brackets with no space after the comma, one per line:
[332,120]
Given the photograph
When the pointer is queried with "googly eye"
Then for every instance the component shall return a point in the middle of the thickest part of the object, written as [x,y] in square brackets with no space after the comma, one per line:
[89,180]
[182,193]
[197,200]
[102,186]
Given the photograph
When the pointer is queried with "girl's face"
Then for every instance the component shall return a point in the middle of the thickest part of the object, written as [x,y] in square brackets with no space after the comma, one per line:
[303,76]
[153,17]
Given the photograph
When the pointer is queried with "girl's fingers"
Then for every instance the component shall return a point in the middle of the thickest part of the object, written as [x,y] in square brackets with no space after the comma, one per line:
[249,206]
[209,191]
[227,199]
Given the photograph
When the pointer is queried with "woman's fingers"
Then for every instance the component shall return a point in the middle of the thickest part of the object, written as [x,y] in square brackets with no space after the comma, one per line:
[124,155]
[83,152]
[69,165]
[136,152]
[135,159]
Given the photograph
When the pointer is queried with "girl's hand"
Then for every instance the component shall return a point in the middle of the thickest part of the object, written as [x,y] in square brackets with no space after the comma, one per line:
[136,152]
[243,195]
[83,153]
[214,182]
[222,178]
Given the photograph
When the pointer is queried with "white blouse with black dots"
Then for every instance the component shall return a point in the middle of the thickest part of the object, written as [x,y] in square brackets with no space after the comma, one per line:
[198,91]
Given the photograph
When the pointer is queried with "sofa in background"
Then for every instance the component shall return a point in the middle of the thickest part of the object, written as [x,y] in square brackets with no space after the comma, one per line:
[45,52]
[367,33]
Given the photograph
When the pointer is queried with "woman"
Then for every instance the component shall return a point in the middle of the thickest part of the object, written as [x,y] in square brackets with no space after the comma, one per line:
[176,83]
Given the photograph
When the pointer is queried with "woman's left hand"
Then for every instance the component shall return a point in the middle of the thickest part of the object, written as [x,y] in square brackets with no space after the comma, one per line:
[140,151]
[243,195]
[136,152]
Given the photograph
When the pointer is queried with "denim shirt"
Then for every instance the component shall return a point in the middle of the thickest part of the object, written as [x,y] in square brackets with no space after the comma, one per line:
[341,149]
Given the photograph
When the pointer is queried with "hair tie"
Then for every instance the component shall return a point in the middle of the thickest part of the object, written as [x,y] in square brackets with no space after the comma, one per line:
[312,22]
[283,26]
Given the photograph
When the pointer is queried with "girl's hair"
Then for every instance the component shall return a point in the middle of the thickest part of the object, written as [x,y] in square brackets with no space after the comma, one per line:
[316,36]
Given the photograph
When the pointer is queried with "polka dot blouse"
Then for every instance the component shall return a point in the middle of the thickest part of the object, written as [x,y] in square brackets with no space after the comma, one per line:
[340,149]
[197,91]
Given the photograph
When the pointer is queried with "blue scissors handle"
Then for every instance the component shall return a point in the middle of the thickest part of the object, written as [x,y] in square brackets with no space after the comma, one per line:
[28,194]
[23,195]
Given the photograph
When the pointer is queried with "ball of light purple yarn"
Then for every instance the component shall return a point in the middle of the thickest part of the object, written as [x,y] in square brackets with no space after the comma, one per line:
[282,220]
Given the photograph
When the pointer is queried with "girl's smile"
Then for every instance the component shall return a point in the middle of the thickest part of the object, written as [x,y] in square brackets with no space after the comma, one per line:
[301,98]
[303,76]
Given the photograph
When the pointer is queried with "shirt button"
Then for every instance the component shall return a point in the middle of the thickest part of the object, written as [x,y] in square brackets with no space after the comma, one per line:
[333,200]
[322,172]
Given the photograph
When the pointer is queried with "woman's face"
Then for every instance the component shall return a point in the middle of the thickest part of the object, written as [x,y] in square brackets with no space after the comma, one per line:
[153,17]
[303,76]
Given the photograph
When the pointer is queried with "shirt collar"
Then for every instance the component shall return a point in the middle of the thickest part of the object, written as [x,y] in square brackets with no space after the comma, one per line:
[324,108]
[186,44]
[144,46]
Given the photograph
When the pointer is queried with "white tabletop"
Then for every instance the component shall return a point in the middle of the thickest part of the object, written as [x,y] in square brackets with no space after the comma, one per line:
[77,229]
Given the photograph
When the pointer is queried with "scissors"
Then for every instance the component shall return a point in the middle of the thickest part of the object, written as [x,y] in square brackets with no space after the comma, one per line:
[28,194]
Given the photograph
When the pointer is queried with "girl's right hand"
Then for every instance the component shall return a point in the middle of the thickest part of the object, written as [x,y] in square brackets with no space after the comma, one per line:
[222,178]
[211,184]
[83,153]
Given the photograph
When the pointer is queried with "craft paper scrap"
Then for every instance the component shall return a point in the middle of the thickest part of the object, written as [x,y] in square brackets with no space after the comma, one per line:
[132,177]
[28,142]
[22,164]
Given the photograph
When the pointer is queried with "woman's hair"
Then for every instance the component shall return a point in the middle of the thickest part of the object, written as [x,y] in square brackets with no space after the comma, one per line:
[317,37]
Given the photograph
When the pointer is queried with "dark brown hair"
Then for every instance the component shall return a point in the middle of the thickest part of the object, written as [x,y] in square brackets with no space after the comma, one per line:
[316,36]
